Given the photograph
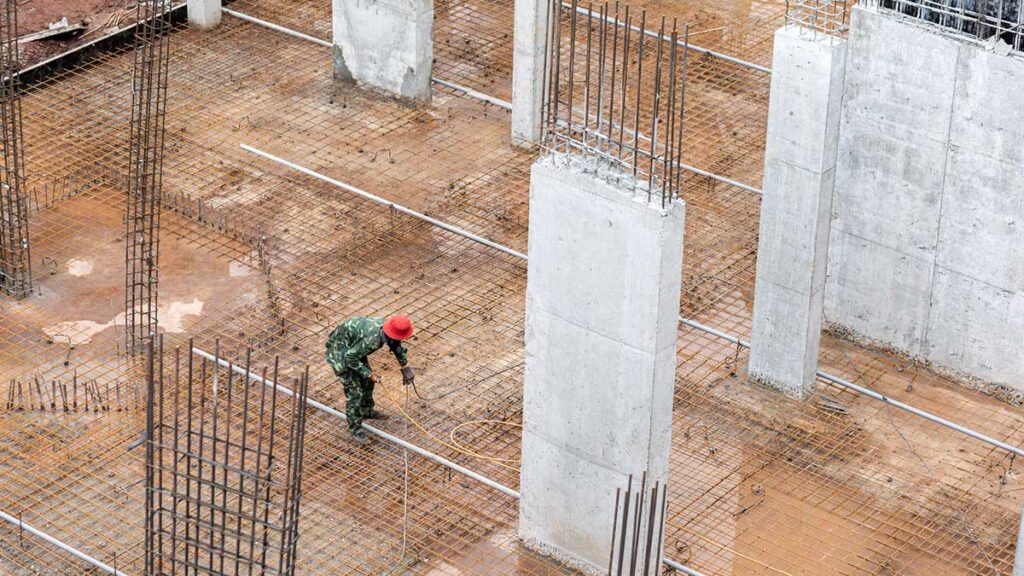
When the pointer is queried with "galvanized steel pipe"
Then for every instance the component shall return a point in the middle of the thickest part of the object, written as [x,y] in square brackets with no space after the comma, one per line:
[59,544]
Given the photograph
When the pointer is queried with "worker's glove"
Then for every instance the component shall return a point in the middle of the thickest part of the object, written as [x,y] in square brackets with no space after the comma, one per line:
[407,376]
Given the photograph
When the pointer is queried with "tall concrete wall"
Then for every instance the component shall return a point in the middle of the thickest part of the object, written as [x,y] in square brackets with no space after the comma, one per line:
[387,44]
[928,214]
[602,309]
[792,254]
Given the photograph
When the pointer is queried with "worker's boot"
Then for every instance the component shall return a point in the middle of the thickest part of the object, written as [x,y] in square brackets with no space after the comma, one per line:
[359,437]
[376,415]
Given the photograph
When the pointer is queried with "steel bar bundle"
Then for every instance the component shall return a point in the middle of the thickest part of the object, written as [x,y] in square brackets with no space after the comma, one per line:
[223,466]
[145,163]
[618,94]
[15,261]
[638,529]
[980,19]
[827,17]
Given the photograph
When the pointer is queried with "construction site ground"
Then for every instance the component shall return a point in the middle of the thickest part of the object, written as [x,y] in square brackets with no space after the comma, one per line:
[759,484]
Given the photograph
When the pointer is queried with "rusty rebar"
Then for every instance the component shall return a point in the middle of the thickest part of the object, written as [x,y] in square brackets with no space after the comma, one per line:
[15,259]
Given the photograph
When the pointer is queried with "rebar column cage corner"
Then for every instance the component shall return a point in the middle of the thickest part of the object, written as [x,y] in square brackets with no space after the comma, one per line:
[827,17]
[224,457]
[145,163]
[616,90]
[984,20]
[15,257]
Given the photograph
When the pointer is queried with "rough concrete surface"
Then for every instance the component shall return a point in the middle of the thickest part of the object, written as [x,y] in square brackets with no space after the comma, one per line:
[803,133]
[204,14]
[929,198]
[529,48]
[602,305]
[386,44]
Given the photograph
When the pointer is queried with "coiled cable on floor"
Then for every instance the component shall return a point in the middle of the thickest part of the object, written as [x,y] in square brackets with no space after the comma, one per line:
[500,462]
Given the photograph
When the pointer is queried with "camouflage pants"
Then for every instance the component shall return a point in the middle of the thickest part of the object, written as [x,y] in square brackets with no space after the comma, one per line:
[358,391]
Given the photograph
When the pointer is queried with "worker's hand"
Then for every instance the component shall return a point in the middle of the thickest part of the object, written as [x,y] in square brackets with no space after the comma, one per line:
[407,376]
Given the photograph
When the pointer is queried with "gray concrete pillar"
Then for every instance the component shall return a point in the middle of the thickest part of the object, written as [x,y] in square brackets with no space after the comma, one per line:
[800,158]
[602,315]
[528,66]
[385,44]
[204,14]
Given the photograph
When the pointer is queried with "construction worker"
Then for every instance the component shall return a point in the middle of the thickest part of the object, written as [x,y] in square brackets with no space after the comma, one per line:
[348,349]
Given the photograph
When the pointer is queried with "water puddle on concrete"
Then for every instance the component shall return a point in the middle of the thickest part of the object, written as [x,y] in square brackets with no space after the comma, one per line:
[75,333]
[171,318]
[238,269]
[78,332]
[79,267]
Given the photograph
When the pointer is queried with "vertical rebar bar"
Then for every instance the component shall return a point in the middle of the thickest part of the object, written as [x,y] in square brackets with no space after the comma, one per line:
[193,535]
[145,164]
[15,257]
[572,64]
[627,133]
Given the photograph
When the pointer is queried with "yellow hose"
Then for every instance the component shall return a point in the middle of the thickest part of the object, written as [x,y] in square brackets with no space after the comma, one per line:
[500,462]
[451,435]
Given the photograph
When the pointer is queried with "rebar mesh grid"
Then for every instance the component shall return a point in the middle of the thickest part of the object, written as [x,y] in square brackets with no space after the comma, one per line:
[826,17]
[220,498]
[334,257]
[145,165]
[15,253]
[641,132]
[980,19]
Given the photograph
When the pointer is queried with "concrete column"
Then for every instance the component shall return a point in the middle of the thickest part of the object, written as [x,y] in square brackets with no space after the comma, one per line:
[528,66]
[800,158]
[602,314]
[385,44]
[204,14]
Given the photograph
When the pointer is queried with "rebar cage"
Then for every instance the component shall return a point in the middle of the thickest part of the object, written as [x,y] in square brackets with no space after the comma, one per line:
[223,464]
[616,90]
[979,19]
[145,164]
[827,17]
[15,260]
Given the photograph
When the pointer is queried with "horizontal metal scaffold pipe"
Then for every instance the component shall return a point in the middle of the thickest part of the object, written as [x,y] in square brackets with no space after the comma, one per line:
[653,34]
[59,544]
[396,207]
[677,566]
[276,27]
[296,34]
[380,433]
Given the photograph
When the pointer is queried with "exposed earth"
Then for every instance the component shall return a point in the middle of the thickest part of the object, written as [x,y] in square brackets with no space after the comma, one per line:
[95,15]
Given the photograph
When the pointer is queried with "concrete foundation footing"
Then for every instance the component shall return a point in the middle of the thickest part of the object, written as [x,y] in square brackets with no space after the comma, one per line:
[385,44]
[602,314]
[800,158]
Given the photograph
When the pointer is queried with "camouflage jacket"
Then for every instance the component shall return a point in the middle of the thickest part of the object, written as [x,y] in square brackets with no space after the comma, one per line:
[355,339]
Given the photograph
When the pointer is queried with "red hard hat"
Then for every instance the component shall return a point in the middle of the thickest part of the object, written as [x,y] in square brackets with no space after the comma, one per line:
[398,328]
